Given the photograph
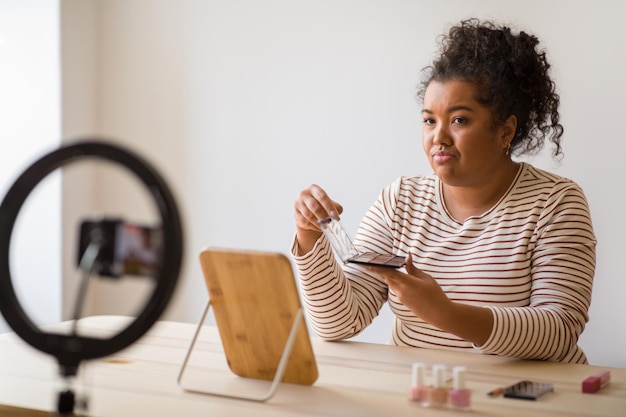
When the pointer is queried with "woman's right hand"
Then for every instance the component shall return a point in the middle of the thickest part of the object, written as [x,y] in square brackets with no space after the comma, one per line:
[311,205]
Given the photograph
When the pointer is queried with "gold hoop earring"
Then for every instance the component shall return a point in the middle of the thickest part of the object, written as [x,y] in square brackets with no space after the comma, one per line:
[507,150]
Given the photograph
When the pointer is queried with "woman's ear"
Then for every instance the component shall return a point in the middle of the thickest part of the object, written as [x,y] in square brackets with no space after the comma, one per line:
[508,131]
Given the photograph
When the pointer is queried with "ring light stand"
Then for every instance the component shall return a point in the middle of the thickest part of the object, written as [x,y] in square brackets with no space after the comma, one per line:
[71,350]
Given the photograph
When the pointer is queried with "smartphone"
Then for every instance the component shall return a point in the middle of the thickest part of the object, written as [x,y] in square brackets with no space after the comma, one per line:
[123,248]
[528,390]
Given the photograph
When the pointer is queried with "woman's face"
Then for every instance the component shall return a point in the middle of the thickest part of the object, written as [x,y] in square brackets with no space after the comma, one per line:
[462,144]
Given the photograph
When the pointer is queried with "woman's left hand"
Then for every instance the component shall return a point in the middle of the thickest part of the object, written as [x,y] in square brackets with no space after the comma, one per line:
[418,291]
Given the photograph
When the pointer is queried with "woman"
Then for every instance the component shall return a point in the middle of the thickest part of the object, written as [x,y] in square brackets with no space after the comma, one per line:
[500,254]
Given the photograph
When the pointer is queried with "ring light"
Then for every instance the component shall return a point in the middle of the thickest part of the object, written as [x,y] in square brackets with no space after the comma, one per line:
[71,349]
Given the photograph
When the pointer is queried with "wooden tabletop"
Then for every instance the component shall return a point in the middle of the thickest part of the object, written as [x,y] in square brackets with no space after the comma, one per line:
[355,379]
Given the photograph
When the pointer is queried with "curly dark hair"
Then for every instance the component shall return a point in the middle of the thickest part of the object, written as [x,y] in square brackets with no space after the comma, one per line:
[511,75]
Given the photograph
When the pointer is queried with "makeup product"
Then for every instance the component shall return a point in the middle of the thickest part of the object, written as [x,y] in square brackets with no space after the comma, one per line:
[596,382]
[528,390]
[459,395]
[418,391]
[496,392]
[347,252]
[438,392]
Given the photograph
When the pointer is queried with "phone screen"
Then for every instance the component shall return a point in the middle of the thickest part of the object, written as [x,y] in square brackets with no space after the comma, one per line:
[138,249]
[124,248]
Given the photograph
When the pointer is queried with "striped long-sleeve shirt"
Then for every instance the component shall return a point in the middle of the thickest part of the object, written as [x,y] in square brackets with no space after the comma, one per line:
[530,259]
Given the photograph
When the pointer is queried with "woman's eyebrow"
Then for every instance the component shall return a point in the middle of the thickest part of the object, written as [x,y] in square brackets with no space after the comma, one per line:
[451,109]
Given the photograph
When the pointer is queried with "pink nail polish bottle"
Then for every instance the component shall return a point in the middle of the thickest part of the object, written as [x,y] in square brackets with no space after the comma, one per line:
[459,394]
[438,392]
[418,391]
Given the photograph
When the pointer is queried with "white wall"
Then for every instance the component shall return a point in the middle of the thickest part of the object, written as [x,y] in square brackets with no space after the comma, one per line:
[241,104]
[29,127]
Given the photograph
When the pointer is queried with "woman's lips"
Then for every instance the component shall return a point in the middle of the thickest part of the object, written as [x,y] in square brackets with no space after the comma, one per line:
[442,157]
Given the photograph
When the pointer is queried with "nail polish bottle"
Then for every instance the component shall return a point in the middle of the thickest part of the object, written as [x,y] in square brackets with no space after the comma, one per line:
[438,392]
[459,394]
[418,390]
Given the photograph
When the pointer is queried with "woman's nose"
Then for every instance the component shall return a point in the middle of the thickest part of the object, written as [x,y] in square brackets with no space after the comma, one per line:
[441,136]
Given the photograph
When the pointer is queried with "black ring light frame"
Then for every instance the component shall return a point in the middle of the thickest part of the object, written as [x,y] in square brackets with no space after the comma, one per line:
[71,350]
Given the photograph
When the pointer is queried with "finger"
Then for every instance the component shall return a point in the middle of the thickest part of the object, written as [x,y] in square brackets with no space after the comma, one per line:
[338,210]
[304,210]
[325,206]
[389,276]
[410,268]
[303,221]
[313,204]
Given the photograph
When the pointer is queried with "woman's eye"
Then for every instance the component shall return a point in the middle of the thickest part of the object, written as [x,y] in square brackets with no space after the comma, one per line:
[429,121]
[458,120]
